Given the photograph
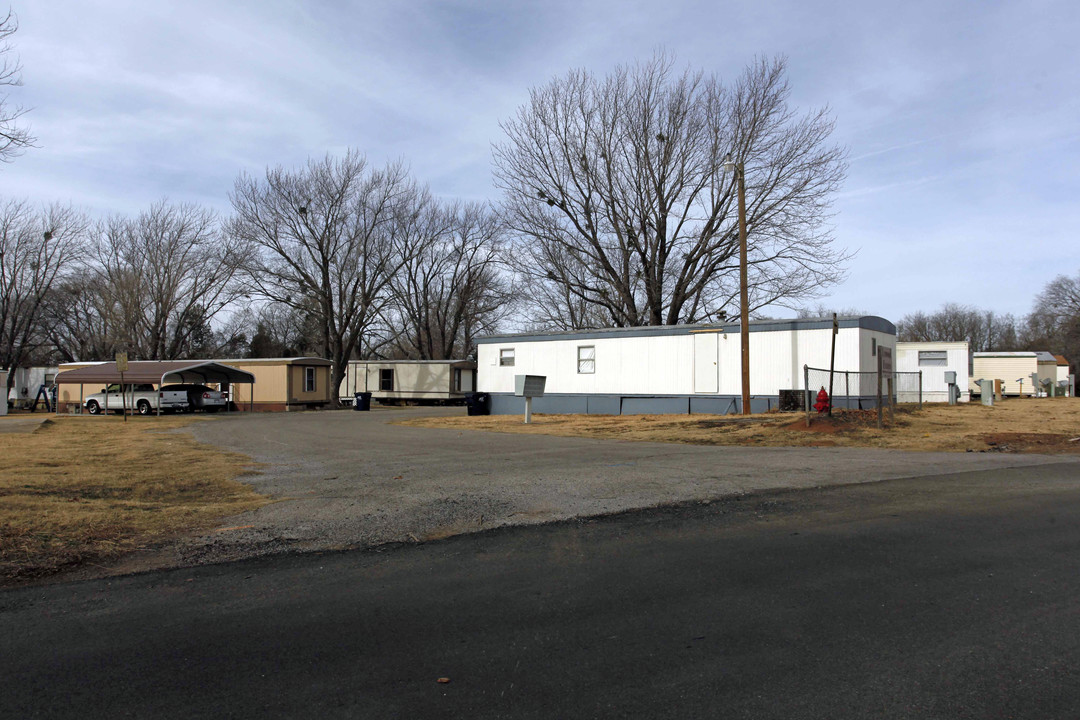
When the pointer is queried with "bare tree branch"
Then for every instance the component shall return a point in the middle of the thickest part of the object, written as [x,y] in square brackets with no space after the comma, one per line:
[615,192]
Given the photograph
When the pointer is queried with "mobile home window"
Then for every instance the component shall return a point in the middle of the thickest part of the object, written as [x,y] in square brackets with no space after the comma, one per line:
[873,347]
[586,359]
[506,357]
[309,379]
[386,379]
[457,381]
[933,358]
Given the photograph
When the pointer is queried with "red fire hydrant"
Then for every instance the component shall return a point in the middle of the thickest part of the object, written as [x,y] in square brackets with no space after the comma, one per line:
[822,404]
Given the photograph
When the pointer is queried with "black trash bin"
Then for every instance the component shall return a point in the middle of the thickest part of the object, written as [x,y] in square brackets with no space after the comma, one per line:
[478,403]
[362,401]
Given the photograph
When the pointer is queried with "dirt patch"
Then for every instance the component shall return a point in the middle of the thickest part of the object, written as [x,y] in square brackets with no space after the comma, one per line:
[1039,425]
[1052,443]
[85,490]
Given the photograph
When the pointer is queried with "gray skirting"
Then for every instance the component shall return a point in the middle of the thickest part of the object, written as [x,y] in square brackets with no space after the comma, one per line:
[573,404]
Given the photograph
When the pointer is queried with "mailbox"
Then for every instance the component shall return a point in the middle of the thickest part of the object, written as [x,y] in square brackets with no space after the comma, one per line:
[529,385]
[950,377]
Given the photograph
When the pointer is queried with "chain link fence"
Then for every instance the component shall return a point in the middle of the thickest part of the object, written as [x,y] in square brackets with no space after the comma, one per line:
[859,390]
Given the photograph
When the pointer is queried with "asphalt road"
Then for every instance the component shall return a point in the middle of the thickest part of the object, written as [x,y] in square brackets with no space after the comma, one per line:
[353,479]
[940,597]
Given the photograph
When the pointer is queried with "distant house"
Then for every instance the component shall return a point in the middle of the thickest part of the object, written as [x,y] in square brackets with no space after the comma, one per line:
[1062,369]
[398,381]
[933,360]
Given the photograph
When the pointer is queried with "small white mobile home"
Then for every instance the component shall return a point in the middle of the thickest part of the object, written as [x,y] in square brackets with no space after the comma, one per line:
[397,381]
[1063,373]
[933,359]
[1013,369]
[676,368]
[27,381]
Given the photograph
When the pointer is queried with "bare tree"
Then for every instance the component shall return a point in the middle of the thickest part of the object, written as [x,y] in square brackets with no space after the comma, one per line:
[983,330]
[76,317]
[823,311]
[615,188]
[14,138]
[164,276]
[37,249]
[326,238]
[451,289]
[1054,322]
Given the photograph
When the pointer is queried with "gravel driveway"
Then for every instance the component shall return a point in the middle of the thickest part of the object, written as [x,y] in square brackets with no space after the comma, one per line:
[352,479]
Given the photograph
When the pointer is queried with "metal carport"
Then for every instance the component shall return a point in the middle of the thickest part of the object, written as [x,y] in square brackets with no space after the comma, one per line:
[155,372]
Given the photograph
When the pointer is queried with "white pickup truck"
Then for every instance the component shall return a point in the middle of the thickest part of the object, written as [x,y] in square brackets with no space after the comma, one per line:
[141,398]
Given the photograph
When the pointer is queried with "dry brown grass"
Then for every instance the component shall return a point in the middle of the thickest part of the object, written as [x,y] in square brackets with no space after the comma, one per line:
[1045,425]
[84,490]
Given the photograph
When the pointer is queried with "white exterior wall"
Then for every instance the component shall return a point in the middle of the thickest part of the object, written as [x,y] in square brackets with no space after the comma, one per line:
[1008,369]
[935,389]
[672,364]
[31,378]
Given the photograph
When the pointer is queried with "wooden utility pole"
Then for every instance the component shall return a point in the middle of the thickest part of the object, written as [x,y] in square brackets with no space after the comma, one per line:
[744,301]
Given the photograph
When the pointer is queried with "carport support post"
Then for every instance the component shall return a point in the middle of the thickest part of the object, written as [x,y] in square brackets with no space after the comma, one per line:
[920,390]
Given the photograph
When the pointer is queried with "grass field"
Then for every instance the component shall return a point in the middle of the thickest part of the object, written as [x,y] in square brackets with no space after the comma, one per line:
[85,490]
[1044,425]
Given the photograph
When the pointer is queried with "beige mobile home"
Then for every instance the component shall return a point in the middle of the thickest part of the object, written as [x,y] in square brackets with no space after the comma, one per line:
[397,381]
[1013,369]
[282,384]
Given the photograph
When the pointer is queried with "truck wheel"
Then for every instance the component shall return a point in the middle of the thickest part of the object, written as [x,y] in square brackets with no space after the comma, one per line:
[144,407]
[93,408]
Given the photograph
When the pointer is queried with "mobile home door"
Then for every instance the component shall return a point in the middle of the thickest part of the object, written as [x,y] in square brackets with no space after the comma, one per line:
[706,363]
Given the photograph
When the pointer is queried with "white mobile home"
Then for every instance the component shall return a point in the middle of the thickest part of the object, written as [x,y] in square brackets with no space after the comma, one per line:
[933,360]
[396,381]
[675,368]
[27,381]
[1063,373]
[1013,369]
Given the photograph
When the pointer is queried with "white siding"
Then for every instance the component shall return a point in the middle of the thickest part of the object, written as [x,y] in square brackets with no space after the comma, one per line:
[678,364]
[935,388]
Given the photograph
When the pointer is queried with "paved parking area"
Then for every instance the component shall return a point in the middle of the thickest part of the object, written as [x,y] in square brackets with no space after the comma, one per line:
[353,479]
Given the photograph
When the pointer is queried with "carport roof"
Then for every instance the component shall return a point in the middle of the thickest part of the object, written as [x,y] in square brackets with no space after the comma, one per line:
[157,371]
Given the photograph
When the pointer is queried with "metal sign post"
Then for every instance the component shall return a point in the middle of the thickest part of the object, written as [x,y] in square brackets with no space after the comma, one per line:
[529,386]
[832,362]
[879,389]
[121,367]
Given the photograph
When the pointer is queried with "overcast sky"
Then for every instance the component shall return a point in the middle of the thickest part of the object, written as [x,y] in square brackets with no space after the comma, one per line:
[962,118]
